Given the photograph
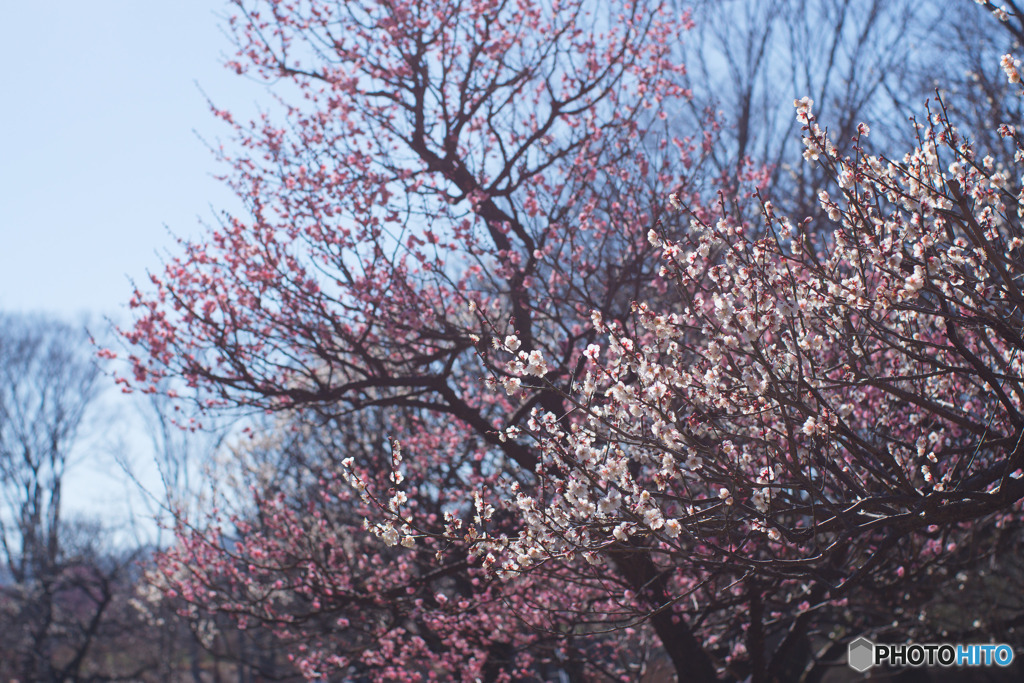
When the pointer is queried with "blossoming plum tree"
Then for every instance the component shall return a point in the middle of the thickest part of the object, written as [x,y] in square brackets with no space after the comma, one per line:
[823,418]
[441,159]
[440,285]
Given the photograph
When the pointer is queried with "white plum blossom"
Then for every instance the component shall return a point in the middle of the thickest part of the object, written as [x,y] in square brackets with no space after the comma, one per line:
[390,535]
[513,385]
[535,364]
[1010,68]
[803,109]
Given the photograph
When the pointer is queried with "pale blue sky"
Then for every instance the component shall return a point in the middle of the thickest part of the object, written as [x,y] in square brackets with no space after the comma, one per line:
[100,104]
[99,109]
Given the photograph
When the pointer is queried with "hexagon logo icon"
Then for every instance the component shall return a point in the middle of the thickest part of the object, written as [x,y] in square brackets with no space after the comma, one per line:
[861,654]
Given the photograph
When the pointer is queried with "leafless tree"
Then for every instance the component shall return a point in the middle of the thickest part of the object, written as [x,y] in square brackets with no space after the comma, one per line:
[65,592]
[747,60]
[47,383]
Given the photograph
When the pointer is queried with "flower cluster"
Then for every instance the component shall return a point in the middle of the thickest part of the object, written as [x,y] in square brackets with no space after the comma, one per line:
[809,389]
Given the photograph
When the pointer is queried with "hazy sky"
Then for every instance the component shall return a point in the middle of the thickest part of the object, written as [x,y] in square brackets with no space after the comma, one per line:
[100,106]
